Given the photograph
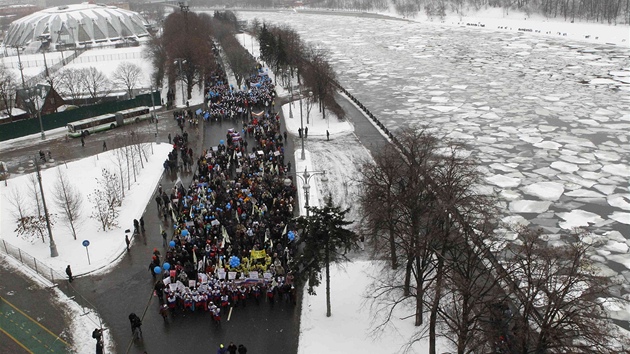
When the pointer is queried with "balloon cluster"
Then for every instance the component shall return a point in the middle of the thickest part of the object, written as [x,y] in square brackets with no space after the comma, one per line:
[234,262]
[291,235]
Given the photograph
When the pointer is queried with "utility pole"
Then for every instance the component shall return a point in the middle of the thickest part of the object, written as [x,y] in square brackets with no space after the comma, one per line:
[181,74]
[185,8]
[20,66]
[53,247]
[44,40]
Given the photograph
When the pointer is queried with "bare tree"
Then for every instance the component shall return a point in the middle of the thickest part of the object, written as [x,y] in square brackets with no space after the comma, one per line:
[18,203]
[8,87]
[127,75]
[34,193]
[559,292]
[102,210]
[72,83]
[68,198]
[95,82]
[119,158]
[31,227]
[107,199]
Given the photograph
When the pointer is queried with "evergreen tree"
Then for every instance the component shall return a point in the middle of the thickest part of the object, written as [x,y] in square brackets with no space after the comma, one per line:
[324,241]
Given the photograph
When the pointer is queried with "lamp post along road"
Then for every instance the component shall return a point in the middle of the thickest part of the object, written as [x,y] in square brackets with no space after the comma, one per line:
[35,92]
[181,77]
[303,157]
[306,178]
[20,66]
[53,247]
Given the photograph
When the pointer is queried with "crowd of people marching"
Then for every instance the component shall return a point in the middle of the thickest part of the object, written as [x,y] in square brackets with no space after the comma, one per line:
[232,241]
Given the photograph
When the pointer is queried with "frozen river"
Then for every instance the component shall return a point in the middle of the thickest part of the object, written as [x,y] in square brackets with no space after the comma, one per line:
[548,118]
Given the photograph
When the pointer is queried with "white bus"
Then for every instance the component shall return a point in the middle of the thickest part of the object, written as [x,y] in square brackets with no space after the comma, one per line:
[92,125]
[107,121]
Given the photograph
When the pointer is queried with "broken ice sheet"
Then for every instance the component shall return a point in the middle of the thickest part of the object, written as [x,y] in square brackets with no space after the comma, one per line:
[545,190]
[578,218]
[529,206]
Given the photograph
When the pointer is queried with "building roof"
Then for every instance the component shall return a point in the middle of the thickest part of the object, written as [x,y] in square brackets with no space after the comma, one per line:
[79,24]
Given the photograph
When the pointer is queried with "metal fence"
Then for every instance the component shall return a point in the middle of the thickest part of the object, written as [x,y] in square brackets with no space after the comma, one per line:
[31,262]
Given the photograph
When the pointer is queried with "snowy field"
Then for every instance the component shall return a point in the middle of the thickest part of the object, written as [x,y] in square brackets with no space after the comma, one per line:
[105,246]
[105,60]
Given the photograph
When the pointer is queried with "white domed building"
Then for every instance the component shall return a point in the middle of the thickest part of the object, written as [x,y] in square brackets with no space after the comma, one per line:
[77,25]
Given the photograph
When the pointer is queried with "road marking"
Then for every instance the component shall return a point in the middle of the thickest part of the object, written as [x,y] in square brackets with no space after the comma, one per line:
[15,340]
[18,326]
[39,324]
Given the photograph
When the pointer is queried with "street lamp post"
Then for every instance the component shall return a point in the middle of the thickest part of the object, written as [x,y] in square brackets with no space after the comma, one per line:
[20,66]
[306,178]
[153,113]
[53,247]
[181,77]
[308,102]
[303,157]
[34,91]
[288,76]
[44,40]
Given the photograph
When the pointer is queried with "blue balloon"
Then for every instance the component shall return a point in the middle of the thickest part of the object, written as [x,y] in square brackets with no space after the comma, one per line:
[166,266]
[157,270]
[234,261]
[184,232]
[221,142]
[172,244]
[291,235]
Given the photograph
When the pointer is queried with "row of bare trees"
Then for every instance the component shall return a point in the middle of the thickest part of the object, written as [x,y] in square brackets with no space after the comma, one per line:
[425,215]
[91,82]
[75,83]
[184,50]
[606,11]
[242,63]
[288,56]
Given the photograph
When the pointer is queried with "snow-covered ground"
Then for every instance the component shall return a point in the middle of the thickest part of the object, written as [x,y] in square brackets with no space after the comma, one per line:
[547,115]
[105,246]
[106,60]
[350,329]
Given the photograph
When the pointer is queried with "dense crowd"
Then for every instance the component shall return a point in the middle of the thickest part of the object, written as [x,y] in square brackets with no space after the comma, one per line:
[232,237]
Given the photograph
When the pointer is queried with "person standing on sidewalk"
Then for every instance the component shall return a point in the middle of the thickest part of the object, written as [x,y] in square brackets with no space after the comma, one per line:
[104,146]
[127,242]
[327,136]
[305,132]
[69,273]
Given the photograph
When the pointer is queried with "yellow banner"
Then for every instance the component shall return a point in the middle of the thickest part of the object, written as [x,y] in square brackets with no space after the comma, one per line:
[258,254]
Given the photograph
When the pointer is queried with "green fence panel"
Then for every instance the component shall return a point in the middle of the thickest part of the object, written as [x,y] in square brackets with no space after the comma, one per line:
[60,119]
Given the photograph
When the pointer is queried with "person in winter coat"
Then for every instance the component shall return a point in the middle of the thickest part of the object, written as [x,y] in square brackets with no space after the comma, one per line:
[232,348]
[69,273]
[242,349]
[221,349]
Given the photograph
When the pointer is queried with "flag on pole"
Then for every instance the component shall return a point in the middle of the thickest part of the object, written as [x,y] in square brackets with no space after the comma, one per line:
[226,237]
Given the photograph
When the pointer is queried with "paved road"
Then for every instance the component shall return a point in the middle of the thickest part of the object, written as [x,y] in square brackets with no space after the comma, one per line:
[30,322]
